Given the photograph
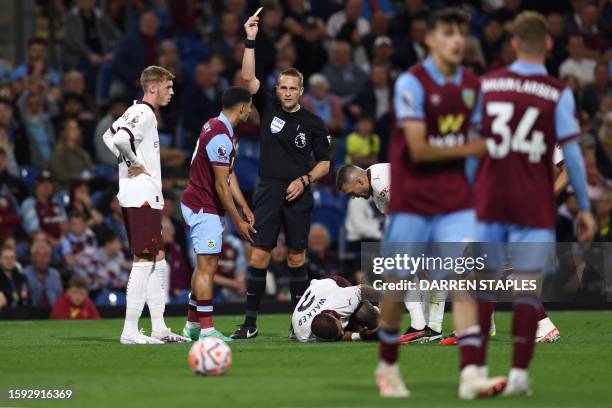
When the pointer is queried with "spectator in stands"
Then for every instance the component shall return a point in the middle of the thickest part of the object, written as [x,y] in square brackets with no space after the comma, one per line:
[200,102]
[43,281]
[558,53]
[363,223]
[42,211]
[506,56]
[103,267]
[492,39]
[285,59]
[74,303]
[180,269]
[10,220]
[412,50]
[375,96]
[363,146]
[348,24]
[36,64]
[13,283]
[114,222]
[7,129]
[224,40]
[603,212]
[116,108]
[90,37]
[311,55]
[10,184]
[399,27]
[324,104]
[473,58]
[135,52]
[270,40]
[344,77]
[577,64]
[379,25]
[566,218]
[80,202]
[79,238]
[39,130]
[169,58]
[230,278]
[593,94]
[73,83]
[321,259]
[69,160]
[585,21]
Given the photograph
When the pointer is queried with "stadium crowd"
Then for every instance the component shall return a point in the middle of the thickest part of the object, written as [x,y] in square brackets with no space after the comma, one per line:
[60,224]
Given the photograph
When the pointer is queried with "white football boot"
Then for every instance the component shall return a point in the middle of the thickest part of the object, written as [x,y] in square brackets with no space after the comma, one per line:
[168,337]
[389,380]
[138,338]
[547,332]
[473,384]
[518,384]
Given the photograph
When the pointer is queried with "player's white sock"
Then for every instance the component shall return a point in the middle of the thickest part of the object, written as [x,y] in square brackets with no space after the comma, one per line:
[156,296]
[414,305]
[437,300]
[518,376]
[136,295]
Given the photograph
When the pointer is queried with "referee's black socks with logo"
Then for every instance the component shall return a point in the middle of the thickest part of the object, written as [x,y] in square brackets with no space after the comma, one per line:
[298,284]
[256,287]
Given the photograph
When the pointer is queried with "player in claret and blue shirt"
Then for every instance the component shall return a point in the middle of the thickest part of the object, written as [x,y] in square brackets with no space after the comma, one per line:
[431,200]
[525,112]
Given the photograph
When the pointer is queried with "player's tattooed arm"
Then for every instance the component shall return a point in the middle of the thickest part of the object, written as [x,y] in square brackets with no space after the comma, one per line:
[421,151]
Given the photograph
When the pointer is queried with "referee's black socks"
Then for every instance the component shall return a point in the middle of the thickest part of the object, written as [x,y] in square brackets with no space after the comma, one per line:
[256,287]
[298,283]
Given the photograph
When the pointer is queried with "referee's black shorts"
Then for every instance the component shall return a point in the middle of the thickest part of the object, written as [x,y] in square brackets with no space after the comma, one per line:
[272,211]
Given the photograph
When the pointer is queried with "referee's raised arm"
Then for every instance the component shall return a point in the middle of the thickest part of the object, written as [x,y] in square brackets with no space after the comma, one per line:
[248,59]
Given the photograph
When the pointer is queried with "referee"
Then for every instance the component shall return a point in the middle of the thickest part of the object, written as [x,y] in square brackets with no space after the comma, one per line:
[290,137]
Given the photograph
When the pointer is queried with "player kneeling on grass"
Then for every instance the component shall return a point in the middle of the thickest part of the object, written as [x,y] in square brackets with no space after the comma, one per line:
[210,193]
[333,310]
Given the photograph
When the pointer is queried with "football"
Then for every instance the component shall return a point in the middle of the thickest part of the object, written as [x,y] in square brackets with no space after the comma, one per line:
[210,356]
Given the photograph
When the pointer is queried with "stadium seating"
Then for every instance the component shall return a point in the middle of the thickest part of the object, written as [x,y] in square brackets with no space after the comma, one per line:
[247,170]
[28,175]
[329,210]
[105,171]
[110,298]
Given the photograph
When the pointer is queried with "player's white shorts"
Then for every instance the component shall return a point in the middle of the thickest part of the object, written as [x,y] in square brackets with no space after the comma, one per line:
[205,230]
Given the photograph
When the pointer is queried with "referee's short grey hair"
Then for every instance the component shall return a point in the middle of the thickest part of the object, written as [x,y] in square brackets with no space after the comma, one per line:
[346,173]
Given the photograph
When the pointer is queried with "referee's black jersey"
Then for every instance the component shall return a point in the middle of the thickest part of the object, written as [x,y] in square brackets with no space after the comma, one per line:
[289,140]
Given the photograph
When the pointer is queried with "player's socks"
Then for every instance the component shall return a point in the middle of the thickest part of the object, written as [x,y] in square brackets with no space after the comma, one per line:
[485,311]
[541,313]
[298,283]
[256,286]
[136,296]
[417,315]
[469,341]
[193,320]
[389,344]
[524,325]
[437,300]
[156,296]
[205,313]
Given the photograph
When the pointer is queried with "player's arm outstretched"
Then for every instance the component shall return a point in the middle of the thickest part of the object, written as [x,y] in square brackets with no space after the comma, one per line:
[223,189]
[248,59]
[409,102]
[240,200]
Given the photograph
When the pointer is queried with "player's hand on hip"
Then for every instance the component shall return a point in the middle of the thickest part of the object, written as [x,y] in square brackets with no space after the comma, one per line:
[251,27]
[586,226]
[295,189]
[248,214]
[135,171]
[245,230]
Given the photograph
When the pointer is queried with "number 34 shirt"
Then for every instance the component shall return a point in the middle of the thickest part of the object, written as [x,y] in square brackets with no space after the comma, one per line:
[289,140]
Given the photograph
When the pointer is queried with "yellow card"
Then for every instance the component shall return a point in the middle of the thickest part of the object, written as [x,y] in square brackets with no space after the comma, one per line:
[258,11]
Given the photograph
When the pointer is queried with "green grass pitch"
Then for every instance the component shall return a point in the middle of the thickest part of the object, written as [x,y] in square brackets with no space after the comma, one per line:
[271,371]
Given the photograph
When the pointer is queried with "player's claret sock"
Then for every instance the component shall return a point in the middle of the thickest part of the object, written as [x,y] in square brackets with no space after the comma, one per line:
[469,341]
[256,287]
[205,310]
[192,326]
[389,344]
[297,284]
[485,311]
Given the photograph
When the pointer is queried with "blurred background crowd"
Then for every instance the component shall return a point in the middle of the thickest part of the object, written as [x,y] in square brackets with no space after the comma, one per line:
[74,68]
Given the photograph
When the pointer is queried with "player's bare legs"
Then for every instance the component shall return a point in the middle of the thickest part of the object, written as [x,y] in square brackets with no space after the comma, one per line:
[200,316]
[388,377]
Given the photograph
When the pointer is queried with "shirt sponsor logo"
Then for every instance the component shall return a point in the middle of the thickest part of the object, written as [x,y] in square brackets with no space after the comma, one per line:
[276,125]
[300,140]
[450,123]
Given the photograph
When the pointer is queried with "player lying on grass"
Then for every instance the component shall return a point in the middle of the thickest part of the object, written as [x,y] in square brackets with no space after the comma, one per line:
[333,310]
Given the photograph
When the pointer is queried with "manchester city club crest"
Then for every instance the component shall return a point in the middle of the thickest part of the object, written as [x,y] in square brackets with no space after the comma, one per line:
[276,125]
[468,97]
[300,140]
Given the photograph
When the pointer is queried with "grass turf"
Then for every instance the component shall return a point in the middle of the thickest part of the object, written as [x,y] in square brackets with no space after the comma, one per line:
[271,371]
